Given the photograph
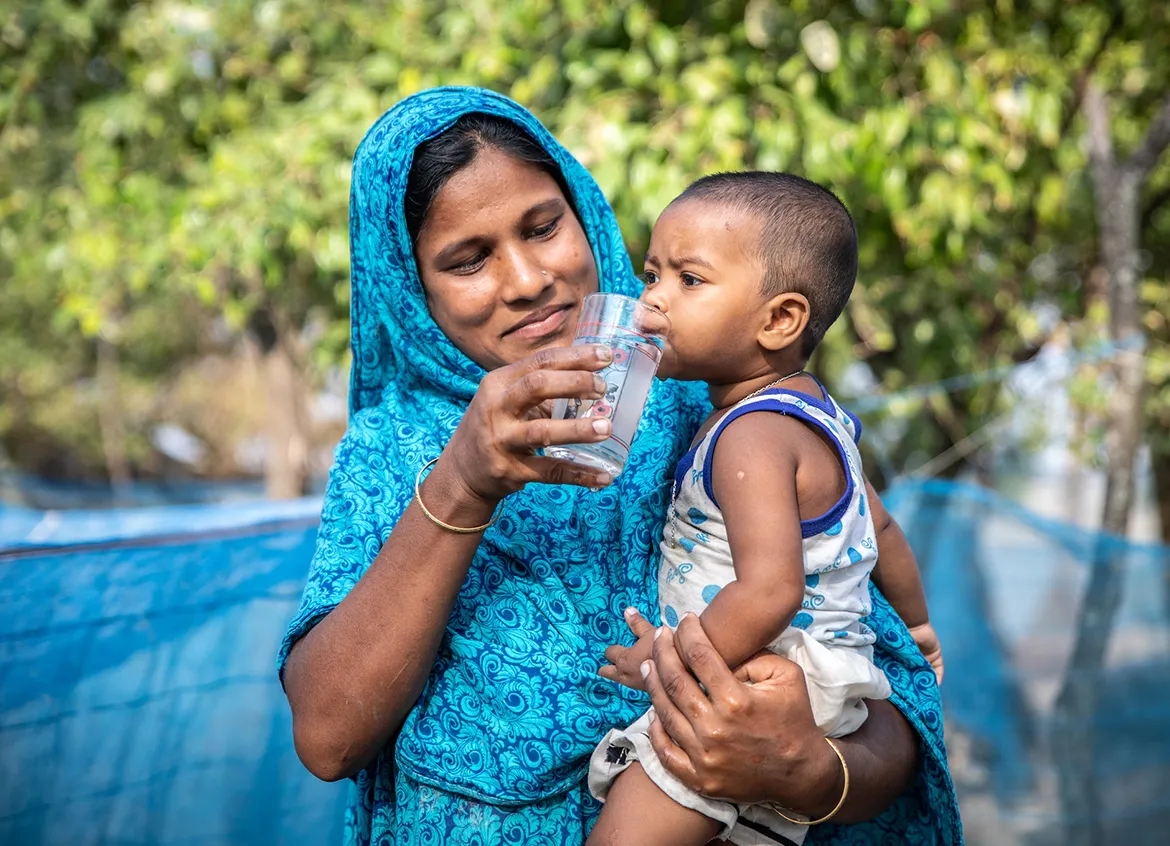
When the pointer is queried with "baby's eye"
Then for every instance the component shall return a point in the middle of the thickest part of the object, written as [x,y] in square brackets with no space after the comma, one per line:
[648,277]
[690,281]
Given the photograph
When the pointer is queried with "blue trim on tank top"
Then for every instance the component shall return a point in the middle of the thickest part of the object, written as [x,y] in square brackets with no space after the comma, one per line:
[824,402]
[683,467]
[831,407]
[856,425]
[808,528]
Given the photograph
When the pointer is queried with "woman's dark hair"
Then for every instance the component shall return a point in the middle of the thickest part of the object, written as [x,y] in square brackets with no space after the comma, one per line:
[441,157]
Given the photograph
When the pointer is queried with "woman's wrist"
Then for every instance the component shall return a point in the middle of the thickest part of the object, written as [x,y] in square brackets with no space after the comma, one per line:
[452,500]
[823,781]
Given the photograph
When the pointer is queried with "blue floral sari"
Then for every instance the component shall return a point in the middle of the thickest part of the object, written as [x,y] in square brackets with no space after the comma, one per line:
[496,749]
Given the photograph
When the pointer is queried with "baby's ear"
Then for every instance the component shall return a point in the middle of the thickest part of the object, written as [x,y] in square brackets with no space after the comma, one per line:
[786,318]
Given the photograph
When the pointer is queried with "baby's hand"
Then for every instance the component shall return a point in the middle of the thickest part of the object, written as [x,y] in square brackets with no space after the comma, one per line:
[625,663]
[927,640]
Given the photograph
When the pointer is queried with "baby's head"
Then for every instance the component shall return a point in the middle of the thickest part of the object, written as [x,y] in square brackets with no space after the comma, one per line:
[752,269]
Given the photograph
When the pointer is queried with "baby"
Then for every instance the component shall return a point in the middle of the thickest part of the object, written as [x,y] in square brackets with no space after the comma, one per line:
[773,532]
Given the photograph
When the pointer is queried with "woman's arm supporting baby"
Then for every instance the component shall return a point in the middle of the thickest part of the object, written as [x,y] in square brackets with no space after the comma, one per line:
[789,763]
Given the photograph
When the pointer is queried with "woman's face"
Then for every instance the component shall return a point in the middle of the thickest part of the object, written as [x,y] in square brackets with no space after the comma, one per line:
[504,261]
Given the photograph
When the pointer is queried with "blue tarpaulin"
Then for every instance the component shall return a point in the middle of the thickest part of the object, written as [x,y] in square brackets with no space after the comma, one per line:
[138,695]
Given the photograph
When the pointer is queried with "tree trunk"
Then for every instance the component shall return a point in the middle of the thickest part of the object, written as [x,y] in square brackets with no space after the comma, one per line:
[111,423]
[1117,190]
[286,470]
[1160,459]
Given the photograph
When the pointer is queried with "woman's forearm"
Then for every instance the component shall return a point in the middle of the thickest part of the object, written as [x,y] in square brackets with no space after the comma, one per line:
[353,678]
[883,760]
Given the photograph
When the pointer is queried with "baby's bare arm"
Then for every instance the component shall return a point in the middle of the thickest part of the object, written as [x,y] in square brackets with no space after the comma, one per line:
[896,573]
[754,480]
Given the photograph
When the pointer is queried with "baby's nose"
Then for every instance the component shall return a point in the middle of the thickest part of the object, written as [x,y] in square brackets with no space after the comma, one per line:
[653,297]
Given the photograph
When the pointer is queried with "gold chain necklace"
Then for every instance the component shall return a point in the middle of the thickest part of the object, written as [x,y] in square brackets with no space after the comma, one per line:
[772,384]
[674,484]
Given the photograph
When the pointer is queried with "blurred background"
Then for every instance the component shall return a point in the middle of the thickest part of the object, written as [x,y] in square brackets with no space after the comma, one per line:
[173,358]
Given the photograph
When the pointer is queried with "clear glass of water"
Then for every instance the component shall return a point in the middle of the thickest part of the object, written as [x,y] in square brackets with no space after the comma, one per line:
[635,332]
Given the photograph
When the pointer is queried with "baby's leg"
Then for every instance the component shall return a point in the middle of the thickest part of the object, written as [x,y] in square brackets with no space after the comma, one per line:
[638,813]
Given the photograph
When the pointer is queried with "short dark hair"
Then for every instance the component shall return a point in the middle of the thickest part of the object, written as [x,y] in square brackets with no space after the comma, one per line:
[437,159]
[808,243]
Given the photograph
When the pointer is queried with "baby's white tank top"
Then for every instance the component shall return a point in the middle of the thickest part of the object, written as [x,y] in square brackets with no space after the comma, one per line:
[839,547]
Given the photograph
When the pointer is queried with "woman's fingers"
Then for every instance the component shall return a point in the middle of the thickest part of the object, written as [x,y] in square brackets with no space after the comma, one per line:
[504,424]
[542,432]
[671,720]
[706,663]
[583,357]
[678,692]
[536,386]
[554,373]
[555,471]
[936,661]
[671,755]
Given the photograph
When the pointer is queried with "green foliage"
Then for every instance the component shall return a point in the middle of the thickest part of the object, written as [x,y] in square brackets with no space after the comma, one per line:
[168,165]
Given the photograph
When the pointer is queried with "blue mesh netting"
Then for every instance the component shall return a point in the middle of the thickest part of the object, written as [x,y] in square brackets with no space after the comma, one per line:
[139,704]
[1005,588]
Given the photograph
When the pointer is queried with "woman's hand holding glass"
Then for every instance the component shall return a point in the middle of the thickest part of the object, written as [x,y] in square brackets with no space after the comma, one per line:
[494,451]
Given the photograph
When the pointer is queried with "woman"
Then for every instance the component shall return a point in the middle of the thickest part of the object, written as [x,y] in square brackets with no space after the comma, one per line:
[446,648]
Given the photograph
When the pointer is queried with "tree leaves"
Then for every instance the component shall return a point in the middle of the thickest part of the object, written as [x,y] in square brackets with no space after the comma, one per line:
[192,162]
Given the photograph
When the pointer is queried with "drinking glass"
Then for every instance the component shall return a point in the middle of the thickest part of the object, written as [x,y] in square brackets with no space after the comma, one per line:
[636,333]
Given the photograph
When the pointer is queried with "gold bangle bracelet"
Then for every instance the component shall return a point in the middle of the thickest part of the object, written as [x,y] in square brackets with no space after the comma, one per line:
[840,802]
[459,530]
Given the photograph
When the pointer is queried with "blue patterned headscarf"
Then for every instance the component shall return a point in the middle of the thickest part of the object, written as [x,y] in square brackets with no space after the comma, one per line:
[496,749]
[514,704]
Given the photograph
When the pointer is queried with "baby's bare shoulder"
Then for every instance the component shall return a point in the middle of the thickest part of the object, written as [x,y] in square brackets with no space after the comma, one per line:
[762,443]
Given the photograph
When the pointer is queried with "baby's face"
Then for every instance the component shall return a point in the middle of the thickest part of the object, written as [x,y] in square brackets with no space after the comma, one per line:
[701,269]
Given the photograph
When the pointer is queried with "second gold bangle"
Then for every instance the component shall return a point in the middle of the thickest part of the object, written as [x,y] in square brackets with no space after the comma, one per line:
[840,802]
[459,530]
